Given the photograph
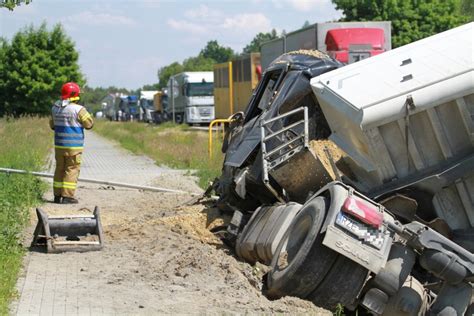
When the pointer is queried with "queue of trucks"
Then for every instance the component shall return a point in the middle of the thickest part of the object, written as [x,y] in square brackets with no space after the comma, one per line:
[200,97]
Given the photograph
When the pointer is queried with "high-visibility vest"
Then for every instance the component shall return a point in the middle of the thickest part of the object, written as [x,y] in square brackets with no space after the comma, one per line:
[68,131]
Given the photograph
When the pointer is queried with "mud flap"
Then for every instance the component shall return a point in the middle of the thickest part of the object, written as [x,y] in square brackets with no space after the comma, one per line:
[352,248]
[68,232]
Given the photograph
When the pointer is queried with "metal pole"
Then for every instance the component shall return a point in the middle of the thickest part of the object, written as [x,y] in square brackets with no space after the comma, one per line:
[111,183]
[231,88]
[172,92]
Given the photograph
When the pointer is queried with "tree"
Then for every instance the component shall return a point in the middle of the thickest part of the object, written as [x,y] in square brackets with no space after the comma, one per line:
[411,19]
[164,73]
[219,54]
[148,87]
[467,7]
[11,4]
[34,66]
[199,63]
[254,45]
[211,54]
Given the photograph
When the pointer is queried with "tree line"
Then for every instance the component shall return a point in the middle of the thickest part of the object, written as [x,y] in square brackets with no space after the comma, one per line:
[36,62]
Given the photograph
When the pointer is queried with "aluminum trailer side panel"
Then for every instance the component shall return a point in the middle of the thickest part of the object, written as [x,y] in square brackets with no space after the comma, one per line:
[305,38]
[271,50]
[409,112]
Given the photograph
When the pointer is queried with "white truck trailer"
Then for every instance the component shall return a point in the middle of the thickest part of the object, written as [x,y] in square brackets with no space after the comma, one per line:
[191,97]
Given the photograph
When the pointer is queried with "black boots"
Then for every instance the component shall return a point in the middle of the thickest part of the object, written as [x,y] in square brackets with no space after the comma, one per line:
[69,200]
[65,200]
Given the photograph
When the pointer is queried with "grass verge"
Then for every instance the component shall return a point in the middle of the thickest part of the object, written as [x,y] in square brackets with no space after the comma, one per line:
[24,144]
[175,146]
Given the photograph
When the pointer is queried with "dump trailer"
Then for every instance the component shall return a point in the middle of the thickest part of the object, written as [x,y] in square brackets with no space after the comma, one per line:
[234,83]
[355,183]
[347,42]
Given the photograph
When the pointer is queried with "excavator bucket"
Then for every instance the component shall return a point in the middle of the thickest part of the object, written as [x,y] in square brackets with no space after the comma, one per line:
[68,232]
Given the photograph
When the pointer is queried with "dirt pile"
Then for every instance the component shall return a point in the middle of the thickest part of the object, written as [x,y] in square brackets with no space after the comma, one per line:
[326,150]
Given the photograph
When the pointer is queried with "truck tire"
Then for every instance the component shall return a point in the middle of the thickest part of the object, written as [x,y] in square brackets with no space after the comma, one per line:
[341,285]
[301,260]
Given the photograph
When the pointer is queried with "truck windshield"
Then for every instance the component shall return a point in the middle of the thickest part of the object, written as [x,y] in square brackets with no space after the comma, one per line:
[146,104]
[199,89]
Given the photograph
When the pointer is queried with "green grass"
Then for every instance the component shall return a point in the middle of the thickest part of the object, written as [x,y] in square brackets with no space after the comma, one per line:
[175,146]
[24,144]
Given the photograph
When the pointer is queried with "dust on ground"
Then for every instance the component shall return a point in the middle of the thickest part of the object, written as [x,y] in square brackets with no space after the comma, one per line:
[160,256]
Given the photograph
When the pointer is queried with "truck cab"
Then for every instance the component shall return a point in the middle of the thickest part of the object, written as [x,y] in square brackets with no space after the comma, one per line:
[146,106]
[349,45]
[191,97]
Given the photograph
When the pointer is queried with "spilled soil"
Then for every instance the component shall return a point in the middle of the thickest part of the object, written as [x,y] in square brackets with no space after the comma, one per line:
[161,257]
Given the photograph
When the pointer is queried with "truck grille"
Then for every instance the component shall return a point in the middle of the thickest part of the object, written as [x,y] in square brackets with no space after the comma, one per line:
[205,112]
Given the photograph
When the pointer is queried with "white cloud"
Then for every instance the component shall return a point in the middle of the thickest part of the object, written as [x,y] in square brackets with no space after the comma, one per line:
[186,26]
[247,21]
[97,19]
[203,12]
[301,5]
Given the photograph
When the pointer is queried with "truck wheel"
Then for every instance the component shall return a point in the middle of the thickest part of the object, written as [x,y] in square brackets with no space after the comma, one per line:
[341,285]
[301,260]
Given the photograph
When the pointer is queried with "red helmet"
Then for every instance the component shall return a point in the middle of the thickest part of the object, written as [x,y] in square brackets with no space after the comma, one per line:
[70,90]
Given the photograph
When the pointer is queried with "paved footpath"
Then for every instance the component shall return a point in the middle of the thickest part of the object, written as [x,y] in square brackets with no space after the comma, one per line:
[74,283]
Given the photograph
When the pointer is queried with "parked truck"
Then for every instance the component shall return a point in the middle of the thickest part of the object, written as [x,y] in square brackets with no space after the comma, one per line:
[146,107]
[356,183]
[347,42]
[161,108]
[191,98]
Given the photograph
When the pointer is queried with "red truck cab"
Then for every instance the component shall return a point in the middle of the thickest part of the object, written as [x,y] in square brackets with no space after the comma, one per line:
[349,45]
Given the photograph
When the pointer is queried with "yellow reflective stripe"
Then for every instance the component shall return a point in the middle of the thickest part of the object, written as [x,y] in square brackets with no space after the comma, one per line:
[65,147]
[69,185]
[85,117]
[58,184]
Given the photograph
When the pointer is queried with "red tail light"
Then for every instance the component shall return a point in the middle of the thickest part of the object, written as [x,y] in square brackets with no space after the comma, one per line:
[366,212]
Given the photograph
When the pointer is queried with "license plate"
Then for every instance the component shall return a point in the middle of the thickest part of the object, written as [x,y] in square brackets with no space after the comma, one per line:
[205,112]
[370,235]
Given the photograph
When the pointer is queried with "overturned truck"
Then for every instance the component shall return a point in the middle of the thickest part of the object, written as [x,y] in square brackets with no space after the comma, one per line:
[356,183]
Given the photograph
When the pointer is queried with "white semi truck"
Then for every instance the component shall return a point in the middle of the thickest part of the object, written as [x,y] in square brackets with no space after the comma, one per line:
[389,224]
[191,97]
[146,109]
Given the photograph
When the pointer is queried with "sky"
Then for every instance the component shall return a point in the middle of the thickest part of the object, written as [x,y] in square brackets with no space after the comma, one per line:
[123,43]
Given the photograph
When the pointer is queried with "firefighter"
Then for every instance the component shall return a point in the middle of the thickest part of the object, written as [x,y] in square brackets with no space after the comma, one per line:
[68,121]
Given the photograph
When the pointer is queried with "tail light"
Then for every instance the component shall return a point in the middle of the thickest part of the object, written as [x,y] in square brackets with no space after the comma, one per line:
[364,211]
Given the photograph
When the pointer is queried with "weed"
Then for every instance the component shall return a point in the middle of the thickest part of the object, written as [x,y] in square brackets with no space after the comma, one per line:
[168,144]
[24,144]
